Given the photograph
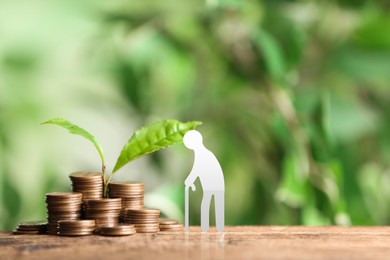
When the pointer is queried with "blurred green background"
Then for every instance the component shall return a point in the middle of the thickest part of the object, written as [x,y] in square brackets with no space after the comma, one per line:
[294,96]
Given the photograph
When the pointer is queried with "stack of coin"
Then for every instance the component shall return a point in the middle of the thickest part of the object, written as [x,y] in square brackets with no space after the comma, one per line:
[131,193]
[90,184]
[144,220]
[31,228]
[171,225]
[120,230]
[62,206]
[76,227]
[104,211]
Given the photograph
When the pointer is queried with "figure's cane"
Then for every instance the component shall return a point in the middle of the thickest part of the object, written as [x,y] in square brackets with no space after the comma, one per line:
[186,206]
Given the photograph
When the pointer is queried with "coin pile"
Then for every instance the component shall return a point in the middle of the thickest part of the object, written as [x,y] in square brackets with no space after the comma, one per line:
[171,225]
[84,210]
[119,230]
[76,227]
[90,184]
[62,206]
[131,193]
[31,228]
[105,212]
[144,220]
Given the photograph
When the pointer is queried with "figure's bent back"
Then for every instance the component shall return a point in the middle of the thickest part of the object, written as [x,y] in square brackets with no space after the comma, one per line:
[209,170]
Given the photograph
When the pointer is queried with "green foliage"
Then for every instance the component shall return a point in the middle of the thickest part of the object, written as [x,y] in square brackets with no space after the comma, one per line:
[76,130]
[294,95]
[152,138]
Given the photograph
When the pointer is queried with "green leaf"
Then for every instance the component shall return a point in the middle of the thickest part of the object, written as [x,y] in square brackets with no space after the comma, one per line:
[152,138]
[76,130]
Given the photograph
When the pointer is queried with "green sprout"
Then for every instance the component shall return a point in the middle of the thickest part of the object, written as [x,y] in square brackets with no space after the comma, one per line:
[145,140]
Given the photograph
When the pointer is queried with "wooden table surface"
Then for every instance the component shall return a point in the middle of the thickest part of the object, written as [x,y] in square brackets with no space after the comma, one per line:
[240,242]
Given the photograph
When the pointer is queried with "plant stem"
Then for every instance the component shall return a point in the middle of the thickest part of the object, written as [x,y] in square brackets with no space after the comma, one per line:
[109,178]
[106,184]
[104,181]
[105,195]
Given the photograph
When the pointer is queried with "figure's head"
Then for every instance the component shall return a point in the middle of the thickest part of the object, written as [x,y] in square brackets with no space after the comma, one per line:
[193,139]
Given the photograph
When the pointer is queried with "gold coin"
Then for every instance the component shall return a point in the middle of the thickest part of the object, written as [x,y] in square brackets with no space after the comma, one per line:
[130,205]
[72,208]
[32,225]
[85,175]
[127,183]
[63,195]
[140,222]
[127,197]
[165,221]
[38,223]
[101,223]
[77,223]
[144,211]
[172,227]
[132,202]
[154,220]
[68,214]
[119,230]
[143,216]
[76,234]
[102,211]
[147,230]
[87,188]
[138,225]
[131,192]
[42,229]
[19,232]
[75,230]
[112,201]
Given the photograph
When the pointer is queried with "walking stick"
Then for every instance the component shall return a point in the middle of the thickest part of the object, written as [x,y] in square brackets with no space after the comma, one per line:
[186,207]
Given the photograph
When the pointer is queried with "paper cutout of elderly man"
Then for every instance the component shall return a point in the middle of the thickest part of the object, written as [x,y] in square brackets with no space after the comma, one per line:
[207,168]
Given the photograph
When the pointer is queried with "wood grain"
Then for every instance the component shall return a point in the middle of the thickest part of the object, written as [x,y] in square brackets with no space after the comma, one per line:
[240,242]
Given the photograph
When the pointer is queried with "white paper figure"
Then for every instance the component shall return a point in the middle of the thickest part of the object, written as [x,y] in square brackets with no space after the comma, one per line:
[209,171]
